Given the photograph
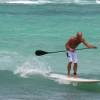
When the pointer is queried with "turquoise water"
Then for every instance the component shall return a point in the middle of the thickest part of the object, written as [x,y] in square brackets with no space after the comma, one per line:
[27,28]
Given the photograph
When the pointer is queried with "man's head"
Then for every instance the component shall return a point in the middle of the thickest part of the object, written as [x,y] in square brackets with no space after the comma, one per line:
[79,35]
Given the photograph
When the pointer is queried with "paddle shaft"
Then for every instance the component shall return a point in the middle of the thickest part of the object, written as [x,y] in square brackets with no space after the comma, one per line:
[40,52]
[65,50]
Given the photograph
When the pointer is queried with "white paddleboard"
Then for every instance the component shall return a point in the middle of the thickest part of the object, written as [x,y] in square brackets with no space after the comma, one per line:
[64,78]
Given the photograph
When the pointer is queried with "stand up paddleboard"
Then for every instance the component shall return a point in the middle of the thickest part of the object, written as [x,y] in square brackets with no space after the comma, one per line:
[72,80]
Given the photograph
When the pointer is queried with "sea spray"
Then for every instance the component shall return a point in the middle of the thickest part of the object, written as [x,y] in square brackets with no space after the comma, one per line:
[31,67]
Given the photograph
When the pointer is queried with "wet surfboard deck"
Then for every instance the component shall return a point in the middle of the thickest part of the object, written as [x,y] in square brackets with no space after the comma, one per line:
[62,77]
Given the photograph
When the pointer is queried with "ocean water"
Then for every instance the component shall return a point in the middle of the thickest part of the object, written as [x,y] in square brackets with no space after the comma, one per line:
[27,26]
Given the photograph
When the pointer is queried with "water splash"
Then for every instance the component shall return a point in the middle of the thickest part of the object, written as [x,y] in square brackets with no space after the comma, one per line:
[33,67]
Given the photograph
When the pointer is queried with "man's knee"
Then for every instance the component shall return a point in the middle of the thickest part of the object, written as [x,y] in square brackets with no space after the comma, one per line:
[70,63]
[75,63]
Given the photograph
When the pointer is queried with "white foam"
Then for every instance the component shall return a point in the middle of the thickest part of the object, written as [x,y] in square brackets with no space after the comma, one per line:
[31,67]
[98,1]
[83,2]
[61,79]
[49,1]
[28,2]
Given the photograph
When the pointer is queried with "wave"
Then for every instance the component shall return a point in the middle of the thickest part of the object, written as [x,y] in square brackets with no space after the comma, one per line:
[28,2]
[31,67]
[24,66]
[38,2]
[10,60]
[13,65]
[98,1]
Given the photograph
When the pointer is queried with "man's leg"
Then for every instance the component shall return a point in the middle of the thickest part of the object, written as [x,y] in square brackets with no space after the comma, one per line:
[75,70]
[75,60]
[69,68]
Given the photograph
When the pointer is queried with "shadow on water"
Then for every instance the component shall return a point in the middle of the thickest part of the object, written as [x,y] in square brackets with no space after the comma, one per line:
[93,87]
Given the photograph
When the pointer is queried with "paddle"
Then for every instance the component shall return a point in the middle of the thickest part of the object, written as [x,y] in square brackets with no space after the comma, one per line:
[41,52]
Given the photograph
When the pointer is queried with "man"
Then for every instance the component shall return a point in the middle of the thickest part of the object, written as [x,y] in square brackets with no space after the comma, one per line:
[71,45]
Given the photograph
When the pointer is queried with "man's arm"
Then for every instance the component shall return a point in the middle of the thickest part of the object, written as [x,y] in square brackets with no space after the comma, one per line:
[88,45]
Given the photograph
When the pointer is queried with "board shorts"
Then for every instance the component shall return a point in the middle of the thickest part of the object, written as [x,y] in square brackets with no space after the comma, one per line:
[72,57]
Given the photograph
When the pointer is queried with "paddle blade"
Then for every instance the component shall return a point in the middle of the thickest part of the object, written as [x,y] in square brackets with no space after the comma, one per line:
[40,52]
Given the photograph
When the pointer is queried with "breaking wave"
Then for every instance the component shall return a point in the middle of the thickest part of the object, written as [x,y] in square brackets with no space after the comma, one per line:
[38,2]
[33,67]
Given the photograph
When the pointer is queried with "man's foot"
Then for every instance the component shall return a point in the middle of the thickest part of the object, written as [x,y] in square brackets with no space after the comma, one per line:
[68,76]
[75,76]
